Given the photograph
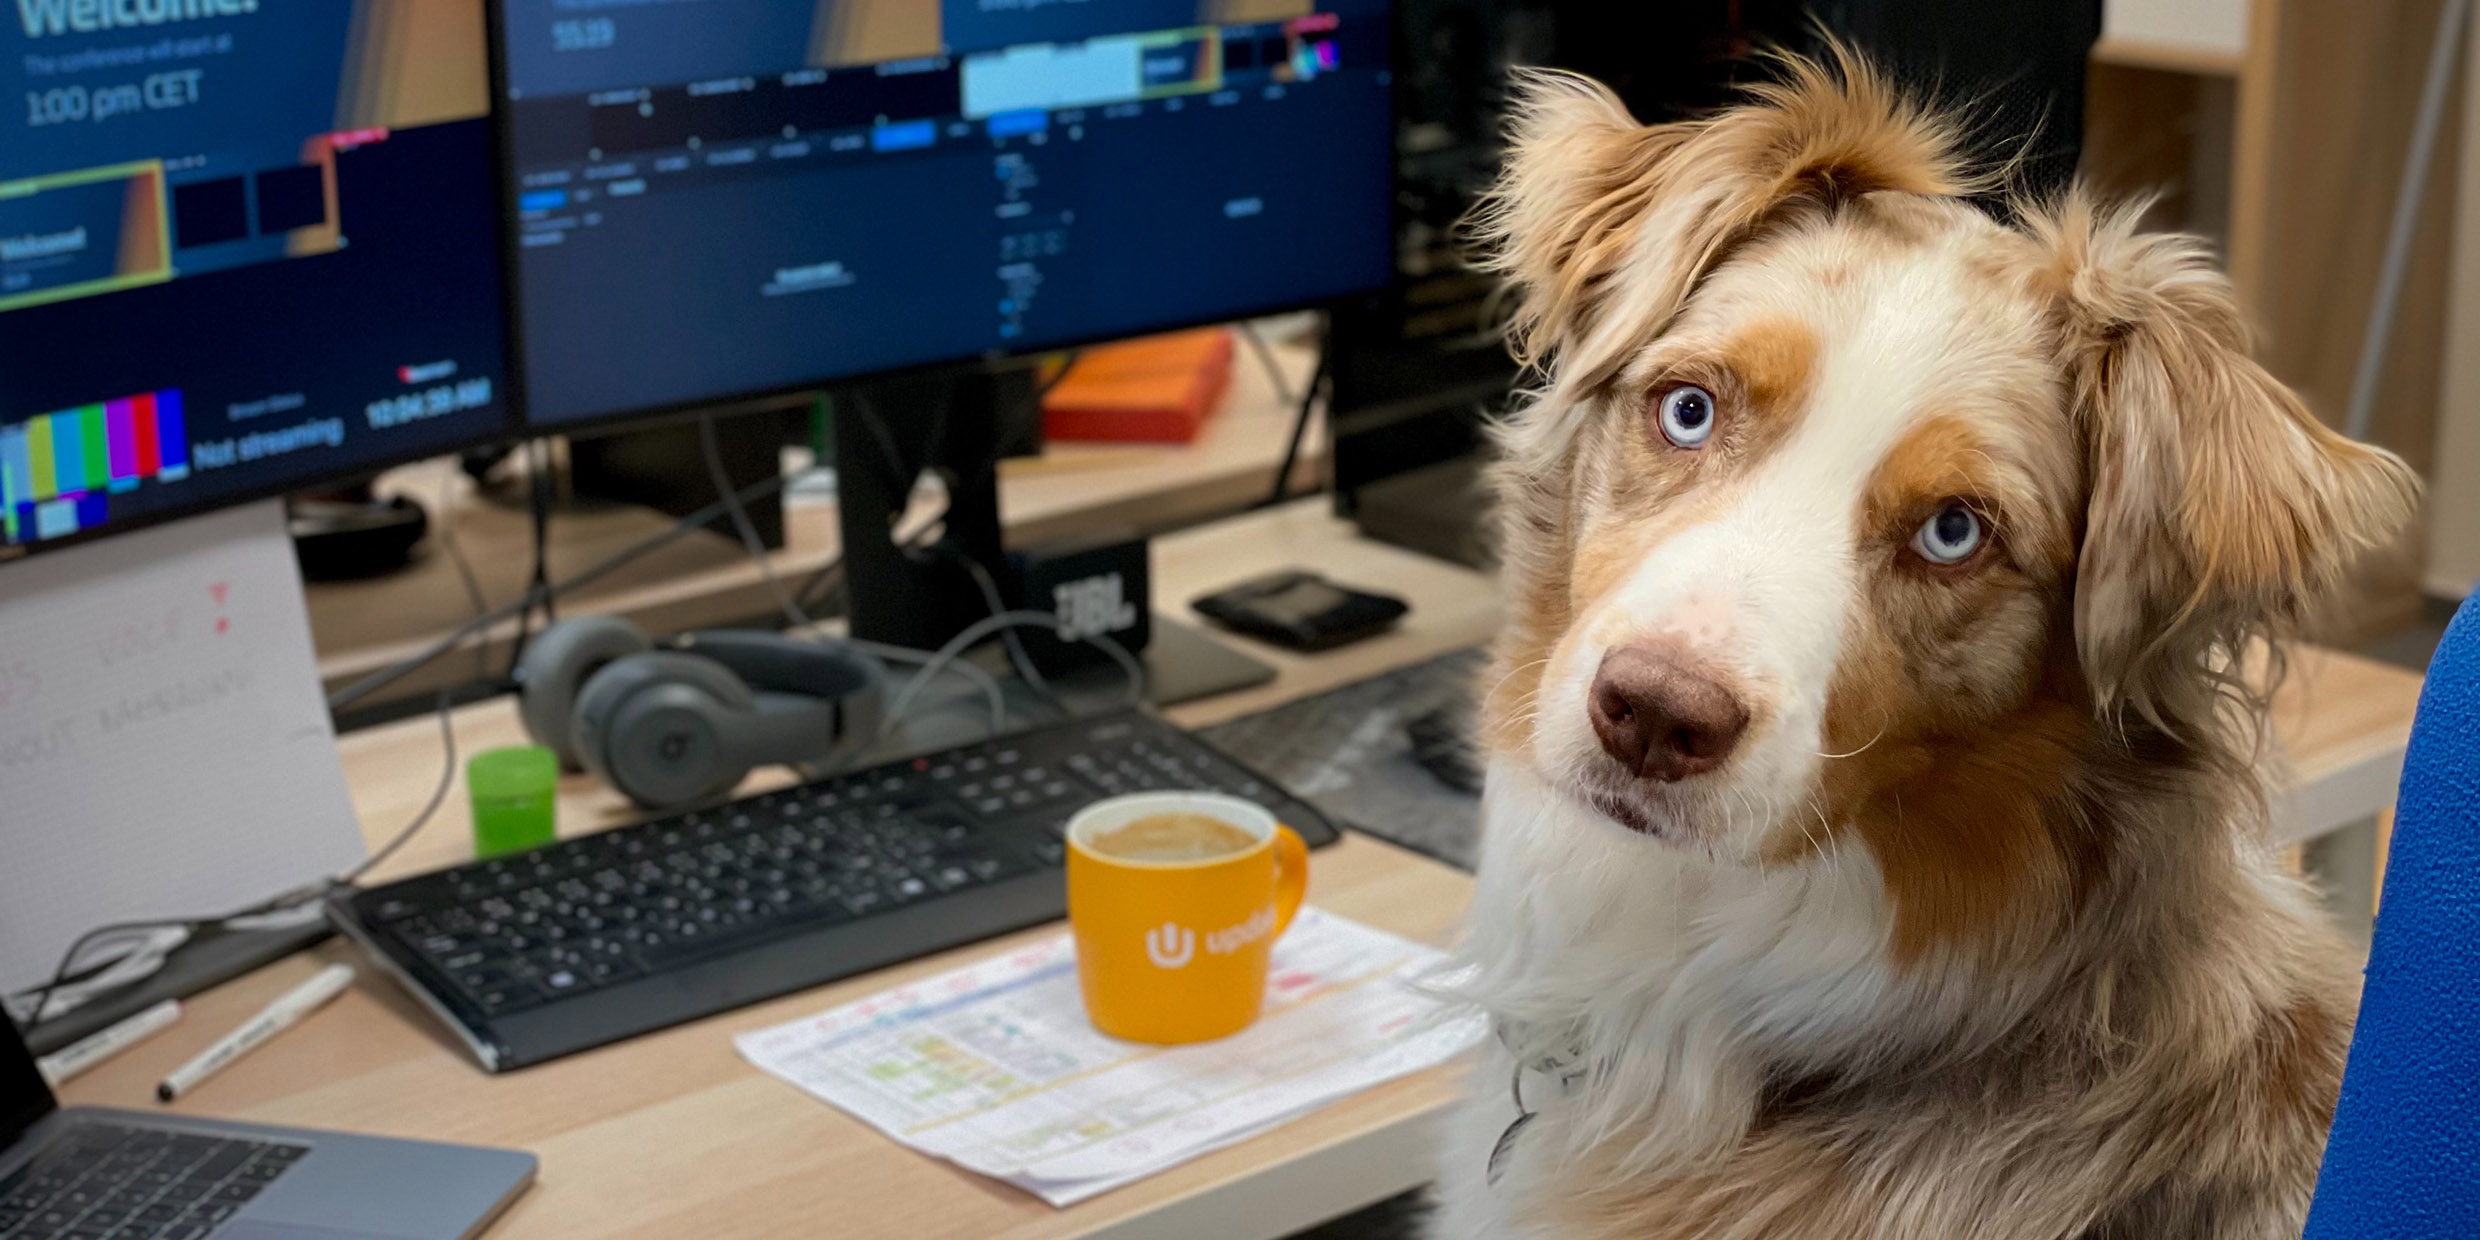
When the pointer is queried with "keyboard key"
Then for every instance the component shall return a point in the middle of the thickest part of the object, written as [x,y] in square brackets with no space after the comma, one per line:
[513,997]
[605,972]
[394,908]
[223,1162]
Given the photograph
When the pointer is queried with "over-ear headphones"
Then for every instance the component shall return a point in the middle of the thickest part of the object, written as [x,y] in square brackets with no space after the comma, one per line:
[673,723]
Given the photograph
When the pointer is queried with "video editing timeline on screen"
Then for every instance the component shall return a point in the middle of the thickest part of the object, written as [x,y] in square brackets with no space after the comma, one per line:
[722,196]
[244,244]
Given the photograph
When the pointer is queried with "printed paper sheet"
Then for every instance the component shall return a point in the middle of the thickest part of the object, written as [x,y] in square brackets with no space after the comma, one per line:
[995,1067]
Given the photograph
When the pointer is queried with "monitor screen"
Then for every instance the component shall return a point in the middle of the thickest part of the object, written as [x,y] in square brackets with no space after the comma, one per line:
[245,246]
[717,198]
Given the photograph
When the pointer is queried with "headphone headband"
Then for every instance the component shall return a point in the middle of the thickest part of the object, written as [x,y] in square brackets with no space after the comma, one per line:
[594,687]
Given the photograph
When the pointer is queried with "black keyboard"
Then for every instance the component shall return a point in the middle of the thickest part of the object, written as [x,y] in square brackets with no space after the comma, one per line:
[106,1182]
[606,936]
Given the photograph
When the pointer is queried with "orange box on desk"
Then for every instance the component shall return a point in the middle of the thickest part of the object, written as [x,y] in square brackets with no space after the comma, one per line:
[1160,389]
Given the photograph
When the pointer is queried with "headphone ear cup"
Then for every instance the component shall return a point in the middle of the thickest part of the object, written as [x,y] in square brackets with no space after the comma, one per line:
[819,701]
[556,666]
[657,727]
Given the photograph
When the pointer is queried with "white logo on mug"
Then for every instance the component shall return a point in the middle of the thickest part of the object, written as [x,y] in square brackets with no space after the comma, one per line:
[1170,945]
[1230,939]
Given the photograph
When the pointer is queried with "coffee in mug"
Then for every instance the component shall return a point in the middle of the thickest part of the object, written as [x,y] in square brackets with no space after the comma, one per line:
[1177,836]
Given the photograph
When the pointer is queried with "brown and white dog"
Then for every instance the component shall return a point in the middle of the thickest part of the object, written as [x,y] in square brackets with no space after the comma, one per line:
[1874,838]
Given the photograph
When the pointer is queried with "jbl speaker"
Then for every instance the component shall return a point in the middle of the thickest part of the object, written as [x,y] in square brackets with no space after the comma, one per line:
[1097,585]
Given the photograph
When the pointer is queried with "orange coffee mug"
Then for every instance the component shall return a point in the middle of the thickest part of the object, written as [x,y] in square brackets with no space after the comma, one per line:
[1175,951]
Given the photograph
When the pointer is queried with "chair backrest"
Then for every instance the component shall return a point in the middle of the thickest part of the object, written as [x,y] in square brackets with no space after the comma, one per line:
[2404,1160]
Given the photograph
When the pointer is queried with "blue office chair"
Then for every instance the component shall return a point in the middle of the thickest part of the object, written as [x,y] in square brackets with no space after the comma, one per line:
[2404,1161]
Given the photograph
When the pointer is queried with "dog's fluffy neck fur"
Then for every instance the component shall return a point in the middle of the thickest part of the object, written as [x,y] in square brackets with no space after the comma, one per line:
[1715,1004]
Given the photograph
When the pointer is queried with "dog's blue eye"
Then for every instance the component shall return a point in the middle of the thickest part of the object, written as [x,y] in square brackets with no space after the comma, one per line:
[1950,537]
[1686,415]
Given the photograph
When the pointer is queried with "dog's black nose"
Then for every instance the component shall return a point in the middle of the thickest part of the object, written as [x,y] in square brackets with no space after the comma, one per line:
[1662,717]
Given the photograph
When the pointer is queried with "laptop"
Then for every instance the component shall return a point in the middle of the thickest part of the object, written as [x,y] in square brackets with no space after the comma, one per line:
[87,1173]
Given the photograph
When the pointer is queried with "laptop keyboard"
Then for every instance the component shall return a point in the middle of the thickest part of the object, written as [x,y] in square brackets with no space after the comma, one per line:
[105,1182]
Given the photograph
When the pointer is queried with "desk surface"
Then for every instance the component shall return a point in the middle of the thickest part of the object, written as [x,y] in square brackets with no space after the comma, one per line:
[673,1134]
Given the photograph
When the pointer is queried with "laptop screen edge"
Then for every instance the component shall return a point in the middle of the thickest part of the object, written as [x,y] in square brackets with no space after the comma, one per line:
[24,1097]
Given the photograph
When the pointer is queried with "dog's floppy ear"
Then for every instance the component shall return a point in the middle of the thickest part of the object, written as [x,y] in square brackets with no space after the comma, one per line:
[2220,507]
[1602,226]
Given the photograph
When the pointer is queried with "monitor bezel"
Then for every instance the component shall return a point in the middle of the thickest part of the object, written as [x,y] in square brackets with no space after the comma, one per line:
[669,412]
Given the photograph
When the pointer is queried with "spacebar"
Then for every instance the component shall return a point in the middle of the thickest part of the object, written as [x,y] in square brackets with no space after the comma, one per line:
[674,953]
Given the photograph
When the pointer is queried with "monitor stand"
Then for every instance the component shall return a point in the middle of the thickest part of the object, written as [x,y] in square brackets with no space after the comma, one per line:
[952,425]
[1183,664]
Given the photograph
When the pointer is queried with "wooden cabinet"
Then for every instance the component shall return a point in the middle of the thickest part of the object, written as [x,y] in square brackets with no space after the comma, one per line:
[2287,149]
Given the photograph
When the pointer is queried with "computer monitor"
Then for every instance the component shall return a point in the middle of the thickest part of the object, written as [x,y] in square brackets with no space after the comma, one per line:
[245,246]
[719,199]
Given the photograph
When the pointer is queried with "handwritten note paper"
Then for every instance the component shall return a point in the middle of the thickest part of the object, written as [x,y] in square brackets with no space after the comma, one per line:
[994,1066]
[164,747]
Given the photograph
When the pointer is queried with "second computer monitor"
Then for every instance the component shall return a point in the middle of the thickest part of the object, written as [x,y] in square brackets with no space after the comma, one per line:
[737,196]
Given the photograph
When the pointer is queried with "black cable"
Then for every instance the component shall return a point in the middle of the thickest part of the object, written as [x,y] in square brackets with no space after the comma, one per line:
[1017,655]
[538,582]
[703,517]
[818,594]
[439,796]
[748,529]
[61,977]
[543,501]
[1265,360]
[983,469]
[1318,375]
[455,548]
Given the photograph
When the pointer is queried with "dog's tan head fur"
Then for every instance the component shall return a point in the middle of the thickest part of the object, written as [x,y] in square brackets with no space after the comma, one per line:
[1890,376]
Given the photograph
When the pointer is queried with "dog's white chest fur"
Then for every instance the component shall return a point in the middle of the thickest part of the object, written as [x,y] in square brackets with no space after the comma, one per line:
[1674,982]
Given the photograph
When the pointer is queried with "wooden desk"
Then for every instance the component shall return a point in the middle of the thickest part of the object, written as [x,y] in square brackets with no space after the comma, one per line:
[2342,723]
[673,1134]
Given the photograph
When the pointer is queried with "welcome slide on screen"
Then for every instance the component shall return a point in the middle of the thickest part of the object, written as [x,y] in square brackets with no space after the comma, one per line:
[144,139]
